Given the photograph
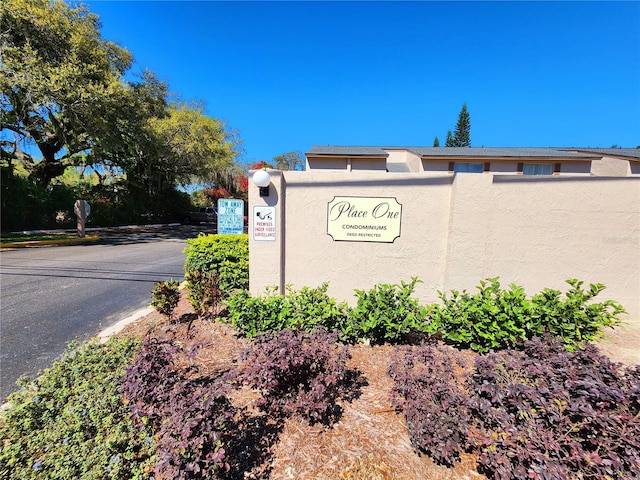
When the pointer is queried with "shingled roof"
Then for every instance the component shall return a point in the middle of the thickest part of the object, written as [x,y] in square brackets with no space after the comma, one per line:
[539,152]
[348,151]
[510,152]
[613,152]
[480,152]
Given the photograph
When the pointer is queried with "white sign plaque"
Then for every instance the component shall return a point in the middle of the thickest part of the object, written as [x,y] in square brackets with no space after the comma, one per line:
[364,219]
[264,223]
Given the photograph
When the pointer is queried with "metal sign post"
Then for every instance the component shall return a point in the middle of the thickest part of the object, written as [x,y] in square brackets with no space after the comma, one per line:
[82,211]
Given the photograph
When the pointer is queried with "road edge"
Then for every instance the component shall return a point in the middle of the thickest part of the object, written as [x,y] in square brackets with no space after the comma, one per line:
[116,328]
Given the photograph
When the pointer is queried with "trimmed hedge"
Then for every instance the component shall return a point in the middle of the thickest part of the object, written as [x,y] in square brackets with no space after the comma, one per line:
[490,320]
[225,256]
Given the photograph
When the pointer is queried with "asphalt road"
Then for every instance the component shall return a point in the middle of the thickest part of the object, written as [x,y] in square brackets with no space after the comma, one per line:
[50,296]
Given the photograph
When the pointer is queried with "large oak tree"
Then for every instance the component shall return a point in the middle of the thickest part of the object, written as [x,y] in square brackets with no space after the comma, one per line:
[63,91]
[58,78]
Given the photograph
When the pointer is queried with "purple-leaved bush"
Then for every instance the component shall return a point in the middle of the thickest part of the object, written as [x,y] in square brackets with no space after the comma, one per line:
[297,373]
[434,403]
[188,416]
[539,412]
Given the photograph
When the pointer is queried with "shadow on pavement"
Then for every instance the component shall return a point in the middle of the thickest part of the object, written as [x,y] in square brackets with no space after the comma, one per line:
[113,236]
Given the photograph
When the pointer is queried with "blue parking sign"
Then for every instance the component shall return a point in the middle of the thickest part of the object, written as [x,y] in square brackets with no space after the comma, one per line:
[230,216]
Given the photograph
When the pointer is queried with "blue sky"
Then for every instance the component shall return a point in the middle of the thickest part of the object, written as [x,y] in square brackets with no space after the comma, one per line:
[291,75]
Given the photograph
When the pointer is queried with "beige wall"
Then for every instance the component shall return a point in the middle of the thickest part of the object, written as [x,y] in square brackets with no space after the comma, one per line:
[575,168]
[457,230]
[609,166]
[326,163]
[441,166]
[510,167]
[347,163]
[505,167]
[410,159]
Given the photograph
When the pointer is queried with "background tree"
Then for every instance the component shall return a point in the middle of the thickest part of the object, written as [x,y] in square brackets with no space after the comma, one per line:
[63,95]
[461,135]
[290,161]
[130,140]
[56,79]
[192,146]
[260,164]
[436,142]
[209,196]
[450,141]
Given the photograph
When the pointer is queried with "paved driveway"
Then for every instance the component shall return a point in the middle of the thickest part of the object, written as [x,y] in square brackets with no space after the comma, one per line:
[50,296]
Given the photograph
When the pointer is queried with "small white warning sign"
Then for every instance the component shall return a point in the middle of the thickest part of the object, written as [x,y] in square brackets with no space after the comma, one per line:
[264,223]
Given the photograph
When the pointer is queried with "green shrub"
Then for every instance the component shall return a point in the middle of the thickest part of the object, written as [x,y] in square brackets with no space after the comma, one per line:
[165,297]
[489,320]
[572,318]
[311,307]
[385,313]
[226,256]
[256,315]
[494,319]
[298,310]
[71,422]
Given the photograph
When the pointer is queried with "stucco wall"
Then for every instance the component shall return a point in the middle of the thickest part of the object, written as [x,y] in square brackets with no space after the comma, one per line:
[457,230]
[510,167]
[609,166]
[347,163]
[410,159]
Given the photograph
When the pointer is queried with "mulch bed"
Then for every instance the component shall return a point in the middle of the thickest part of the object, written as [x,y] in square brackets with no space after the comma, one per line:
[369,442]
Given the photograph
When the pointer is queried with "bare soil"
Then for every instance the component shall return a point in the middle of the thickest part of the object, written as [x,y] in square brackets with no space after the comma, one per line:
[370,441]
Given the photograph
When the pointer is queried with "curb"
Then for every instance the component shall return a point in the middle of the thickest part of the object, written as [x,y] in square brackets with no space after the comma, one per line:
[116,328]
[44,243]
[108,332]
[96,229]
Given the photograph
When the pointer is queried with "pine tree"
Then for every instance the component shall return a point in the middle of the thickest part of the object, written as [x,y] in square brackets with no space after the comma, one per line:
[461,136]
[449,142]
[436,142]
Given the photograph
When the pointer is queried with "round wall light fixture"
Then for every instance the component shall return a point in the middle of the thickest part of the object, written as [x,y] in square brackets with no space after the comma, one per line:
[261,179]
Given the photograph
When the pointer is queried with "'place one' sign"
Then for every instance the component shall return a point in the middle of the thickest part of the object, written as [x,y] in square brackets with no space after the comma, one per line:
[364,219]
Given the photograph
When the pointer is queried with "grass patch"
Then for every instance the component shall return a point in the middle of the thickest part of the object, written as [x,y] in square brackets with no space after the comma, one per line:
[25,239]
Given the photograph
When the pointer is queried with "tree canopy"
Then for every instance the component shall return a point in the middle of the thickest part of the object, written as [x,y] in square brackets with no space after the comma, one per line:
[449,142]
[194,147]
[57,76]
[63,92]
